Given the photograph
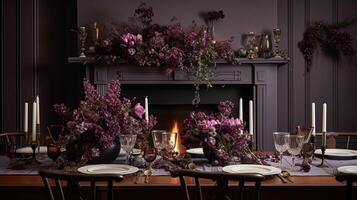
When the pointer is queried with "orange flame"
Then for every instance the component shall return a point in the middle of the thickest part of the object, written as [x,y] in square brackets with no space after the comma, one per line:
[175,129]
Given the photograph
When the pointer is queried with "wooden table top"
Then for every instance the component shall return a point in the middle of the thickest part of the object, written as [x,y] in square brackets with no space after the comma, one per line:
[167,181]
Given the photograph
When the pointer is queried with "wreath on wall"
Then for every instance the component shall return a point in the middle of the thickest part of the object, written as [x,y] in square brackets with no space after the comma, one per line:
[329,38]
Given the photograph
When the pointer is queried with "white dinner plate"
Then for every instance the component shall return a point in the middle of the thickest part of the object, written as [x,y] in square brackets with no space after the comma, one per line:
[28,150]
[245,169]
[108,169]
[348,169]
[195,151]
[338,154]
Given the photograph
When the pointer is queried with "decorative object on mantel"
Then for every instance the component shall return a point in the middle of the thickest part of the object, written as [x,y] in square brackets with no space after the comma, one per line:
[329,37]
[277,34]
[170,47]
[82,34]
[211,18]
[219,135]
[92,130]
[250,41]
[265,50]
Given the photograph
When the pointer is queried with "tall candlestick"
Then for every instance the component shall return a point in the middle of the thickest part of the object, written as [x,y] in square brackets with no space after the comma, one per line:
[324,117]
[38,110]
[324,122]
[34,122]
[251,121]
[147,109]
[313,120]
[241,112]
[26,118]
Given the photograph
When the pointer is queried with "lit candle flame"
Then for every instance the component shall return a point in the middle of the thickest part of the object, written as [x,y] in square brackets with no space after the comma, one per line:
[175,130]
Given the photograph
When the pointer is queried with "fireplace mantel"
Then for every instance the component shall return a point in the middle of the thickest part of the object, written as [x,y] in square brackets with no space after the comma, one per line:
[261,74]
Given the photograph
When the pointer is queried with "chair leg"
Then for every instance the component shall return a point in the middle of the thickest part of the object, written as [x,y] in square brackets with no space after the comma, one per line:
[349,190]
[198,189]
[48,186]
[93,190]
[240,190]
[59,189]
[184,186]
[110,190]
[257,190]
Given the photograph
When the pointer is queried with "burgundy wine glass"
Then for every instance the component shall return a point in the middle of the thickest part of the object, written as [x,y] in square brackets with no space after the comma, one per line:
[53,151]
[150,154]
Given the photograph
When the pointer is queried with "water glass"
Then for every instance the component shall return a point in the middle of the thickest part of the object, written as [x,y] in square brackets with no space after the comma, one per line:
[164,141]
[127,142]
[295,143]
[281,143]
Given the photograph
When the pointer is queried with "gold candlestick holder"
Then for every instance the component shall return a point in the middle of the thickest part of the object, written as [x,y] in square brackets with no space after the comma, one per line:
[277,35]
[34,160]
[82,34]
[323,150]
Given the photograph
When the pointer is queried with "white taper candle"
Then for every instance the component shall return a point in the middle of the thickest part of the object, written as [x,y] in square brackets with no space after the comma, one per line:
[37,110]
[324,121]
[251,118]
[26,117]
[313,118]
[34,122]
[147,109]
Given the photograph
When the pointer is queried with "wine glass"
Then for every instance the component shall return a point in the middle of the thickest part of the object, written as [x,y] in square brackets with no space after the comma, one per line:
[150,154]
[157,139]
[127,142]
[295,143]
[281,143]
[53,151]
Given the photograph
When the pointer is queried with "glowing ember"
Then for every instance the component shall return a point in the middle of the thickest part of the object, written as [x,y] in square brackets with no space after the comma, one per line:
[176,130]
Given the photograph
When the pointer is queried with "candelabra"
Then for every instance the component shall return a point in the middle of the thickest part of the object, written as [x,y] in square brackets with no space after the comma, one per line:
[323,149]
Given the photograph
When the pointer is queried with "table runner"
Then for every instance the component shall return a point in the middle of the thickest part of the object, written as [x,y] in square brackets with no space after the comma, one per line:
[315,171]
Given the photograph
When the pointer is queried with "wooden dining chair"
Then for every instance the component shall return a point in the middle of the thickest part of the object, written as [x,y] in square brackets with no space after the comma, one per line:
[332,138]
[11,141]
[73,179]
[54,131]
[350,179]
[221,179]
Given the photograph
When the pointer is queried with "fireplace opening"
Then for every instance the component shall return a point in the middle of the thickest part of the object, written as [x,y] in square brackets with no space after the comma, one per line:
[173,103]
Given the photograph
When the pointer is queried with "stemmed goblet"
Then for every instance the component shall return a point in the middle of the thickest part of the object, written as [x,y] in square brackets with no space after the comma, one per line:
[150,154]
[164,141]
[281,143]
[127,142]
[295,143]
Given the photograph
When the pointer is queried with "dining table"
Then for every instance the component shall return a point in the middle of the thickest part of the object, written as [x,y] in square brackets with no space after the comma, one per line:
[318,183]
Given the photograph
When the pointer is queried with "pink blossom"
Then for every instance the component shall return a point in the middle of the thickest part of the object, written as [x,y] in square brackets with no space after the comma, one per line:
[139,110]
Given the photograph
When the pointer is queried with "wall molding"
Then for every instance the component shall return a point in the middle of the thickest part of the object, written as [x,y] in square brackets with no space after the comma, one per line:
[2,67]
[308,99]
[291,65]
[335,122]
[18,65]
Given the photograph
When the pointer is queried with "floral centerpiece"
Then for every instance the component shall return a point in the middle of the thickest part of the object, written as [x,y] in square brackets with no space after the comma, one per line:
[218,134]
[170,47]
[96,124]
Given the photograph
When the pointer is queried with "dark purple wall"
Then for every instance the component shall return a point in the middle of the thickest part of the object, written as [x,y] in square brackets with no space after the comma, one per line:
[34,60]
[34,49]
[329,80]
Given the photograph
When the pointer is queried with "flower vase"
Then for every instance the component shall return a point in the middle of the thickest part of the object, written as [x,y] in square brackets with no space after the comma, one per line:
[107,156]
[209,153]
[211,28]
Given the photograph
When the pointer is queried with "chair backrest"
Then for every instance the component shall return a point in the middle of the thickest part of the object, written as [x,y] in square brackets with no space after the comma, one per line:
[54,131]
[221,179]
[332,136]
[12,140]
[350,179]
[73,179]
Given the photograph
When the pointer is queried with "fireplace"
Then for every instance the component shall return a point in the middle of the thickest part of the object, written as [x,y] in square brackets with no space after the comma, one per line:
[171,97]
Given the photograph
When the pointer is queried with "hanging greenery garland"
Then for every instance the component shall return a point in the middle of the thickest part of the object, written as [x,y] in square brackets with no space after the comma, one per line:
[329,37]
